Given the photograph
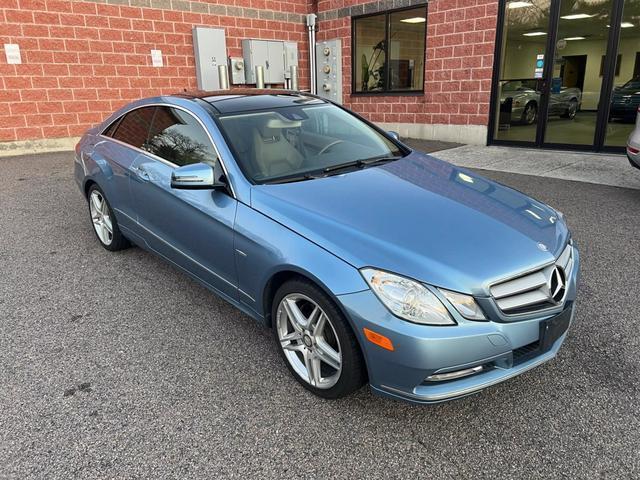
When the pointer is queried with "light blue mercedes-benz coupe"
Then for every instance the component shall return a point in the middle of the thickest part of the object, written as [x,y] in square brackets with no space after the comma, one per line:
[370,261]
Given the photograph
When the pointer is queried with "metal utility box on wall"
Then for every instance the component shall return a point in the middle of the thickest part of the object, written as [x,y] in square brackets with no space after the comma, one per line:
[329,69]
[269,54]
[236,65]
[210,50]
[290,57]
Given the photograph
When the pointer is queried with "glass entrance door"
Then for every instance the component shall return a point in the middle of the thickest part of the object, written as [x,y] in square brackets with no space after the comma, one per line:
[564,72]
[625,96]
[578,70]
[521,73]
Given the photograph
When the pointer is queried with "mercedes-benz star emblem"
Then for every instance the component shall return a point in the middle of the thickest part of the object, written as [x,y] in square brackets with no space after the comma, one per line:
[557,285]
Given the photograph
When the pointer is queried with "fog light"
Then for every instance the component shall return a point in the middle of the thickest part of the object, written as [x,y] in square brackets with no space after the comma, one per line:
[440,377]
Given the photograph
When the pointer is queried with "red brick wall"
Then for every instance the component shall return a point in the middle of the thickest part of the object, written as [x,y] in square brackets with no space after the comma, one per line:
[83,60]
[458,69]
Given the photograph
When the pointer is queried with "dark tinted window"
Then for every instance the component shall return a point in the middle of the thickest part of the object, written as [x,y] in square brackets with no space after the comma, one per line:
[177,137]
[111,128]
[134,127]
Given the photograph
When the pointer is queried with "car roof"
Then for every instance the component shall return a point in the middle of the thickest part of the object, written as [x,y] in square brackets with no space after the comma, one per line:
[250,99]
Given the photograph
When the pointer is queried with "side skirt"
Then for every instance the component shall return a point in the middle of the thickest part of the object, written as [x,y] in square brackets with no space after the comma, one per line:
[140,242]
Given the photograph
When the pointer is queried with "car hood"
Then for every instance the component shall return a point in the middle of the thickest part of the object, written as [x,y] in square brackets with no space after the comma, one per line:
[423,218]
[515,95]
[624,92]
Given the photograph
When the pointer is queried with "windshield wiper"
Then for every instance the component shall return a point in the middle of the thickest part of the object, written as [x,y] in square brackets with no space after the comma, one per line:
[292,178]
[361,163]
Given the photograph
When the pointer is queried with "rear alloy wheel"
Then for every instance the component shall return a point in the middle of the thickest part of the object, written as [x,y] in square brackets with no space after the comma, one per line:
[104,223]
[315,341]
[530,114]
[572,110]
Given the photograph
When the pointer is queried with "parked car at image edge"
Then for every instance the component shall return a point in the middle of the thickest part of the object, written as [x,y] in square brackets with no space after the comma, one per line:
[370,261]
[626,100]
[633,144]
[526,101]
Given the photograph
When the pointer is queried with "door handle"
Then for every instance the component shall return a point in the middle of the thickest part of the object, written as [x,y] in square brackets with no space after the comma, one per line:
[142,173]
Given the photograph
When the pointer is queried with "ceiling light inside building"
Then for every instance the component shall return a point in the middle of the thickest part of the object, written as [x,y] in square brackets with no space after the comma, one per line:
[534,34]
[575,38]
[576,16]
[627,25]
[520,4]
[414,20]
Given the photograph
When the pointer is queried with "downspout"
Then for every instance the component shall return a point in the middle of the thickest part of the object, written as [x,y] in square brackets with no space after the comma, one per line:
[311,28]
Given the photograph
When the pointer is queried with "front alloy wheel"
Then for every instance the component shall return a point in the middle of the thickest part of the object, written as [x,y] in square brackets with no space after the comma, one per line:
[309,341]
[572,110]
[530,114]
[316,341]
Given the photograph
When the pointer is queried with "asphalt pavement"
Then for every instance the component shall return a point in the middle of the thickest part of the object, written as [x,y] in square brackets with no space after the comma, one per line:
[116,365]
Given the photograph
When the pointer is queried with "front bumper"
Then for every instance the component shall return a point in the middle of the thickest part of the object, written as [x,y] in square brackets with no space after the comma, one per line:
[624,110]
[504,349]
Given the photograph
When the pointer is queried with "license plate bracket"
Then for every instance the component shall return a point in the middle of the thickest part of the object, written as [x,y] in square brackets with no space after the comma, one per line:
[553,328]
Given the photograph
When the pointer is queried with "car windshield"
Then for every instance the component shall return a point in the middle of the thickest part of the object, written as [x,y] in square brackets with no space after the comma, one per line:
[518,85]
[511,86]
[633,83]
[302,141]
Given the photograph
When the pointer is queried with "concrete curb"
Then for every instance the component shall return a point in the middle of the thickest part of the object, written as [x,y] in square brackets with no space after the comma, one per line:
[25,147]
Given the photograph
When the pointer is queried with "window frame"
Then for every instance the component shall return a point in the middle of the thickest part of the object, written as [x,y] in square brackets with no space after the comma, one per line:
[387,27]
[160,159]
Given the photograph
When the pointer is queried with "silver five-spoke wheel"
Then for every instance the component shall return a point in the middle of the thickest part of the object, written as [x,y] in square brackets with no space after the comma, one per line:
[100,217]
[309,340]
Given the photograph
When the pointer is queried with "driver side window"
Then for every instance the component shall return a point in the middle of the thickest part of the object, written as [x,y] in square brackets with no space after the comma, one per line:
[179,138]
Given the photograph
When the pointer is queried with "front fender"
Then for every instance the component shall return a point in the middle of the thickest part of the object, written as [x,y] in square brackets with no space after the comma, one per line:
[264,247]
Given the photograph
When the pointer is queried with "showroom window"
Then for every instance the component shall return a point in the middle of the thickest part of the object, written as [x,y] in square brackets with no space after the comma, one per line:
[389,51]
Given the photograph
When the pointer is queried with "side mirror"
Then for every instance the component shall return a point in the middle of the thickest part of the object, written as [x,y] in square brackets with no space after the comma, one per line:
[199,176]
[394,135]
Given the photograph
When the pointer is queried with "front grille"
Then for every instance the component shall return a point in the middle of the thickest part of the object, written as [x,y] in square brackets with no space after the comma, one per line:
[537,290]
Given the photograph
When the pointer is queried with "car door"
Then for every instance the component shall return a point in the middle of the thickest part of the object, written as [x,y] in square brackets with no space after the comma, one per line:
[115,149]
[192,228]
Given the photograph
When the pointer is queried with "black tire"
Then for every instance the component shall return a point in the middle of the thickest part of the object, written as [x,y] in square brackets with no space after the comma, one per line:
[118,241]
[530,113]
[353,373]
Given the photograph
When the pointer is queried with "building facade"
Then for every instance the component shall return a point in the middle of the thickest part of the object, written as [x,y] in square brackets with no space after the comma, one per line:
[556,73]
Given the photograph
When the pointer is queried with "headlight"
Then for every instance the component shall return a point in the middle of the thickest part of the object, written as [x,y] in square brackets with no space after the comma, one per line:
[464,304]
[407,299]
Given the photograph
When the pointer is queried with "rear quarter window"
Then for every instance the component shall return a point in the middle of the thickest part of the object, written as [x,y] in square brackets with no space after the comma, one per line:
[133,129]
[110,130]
